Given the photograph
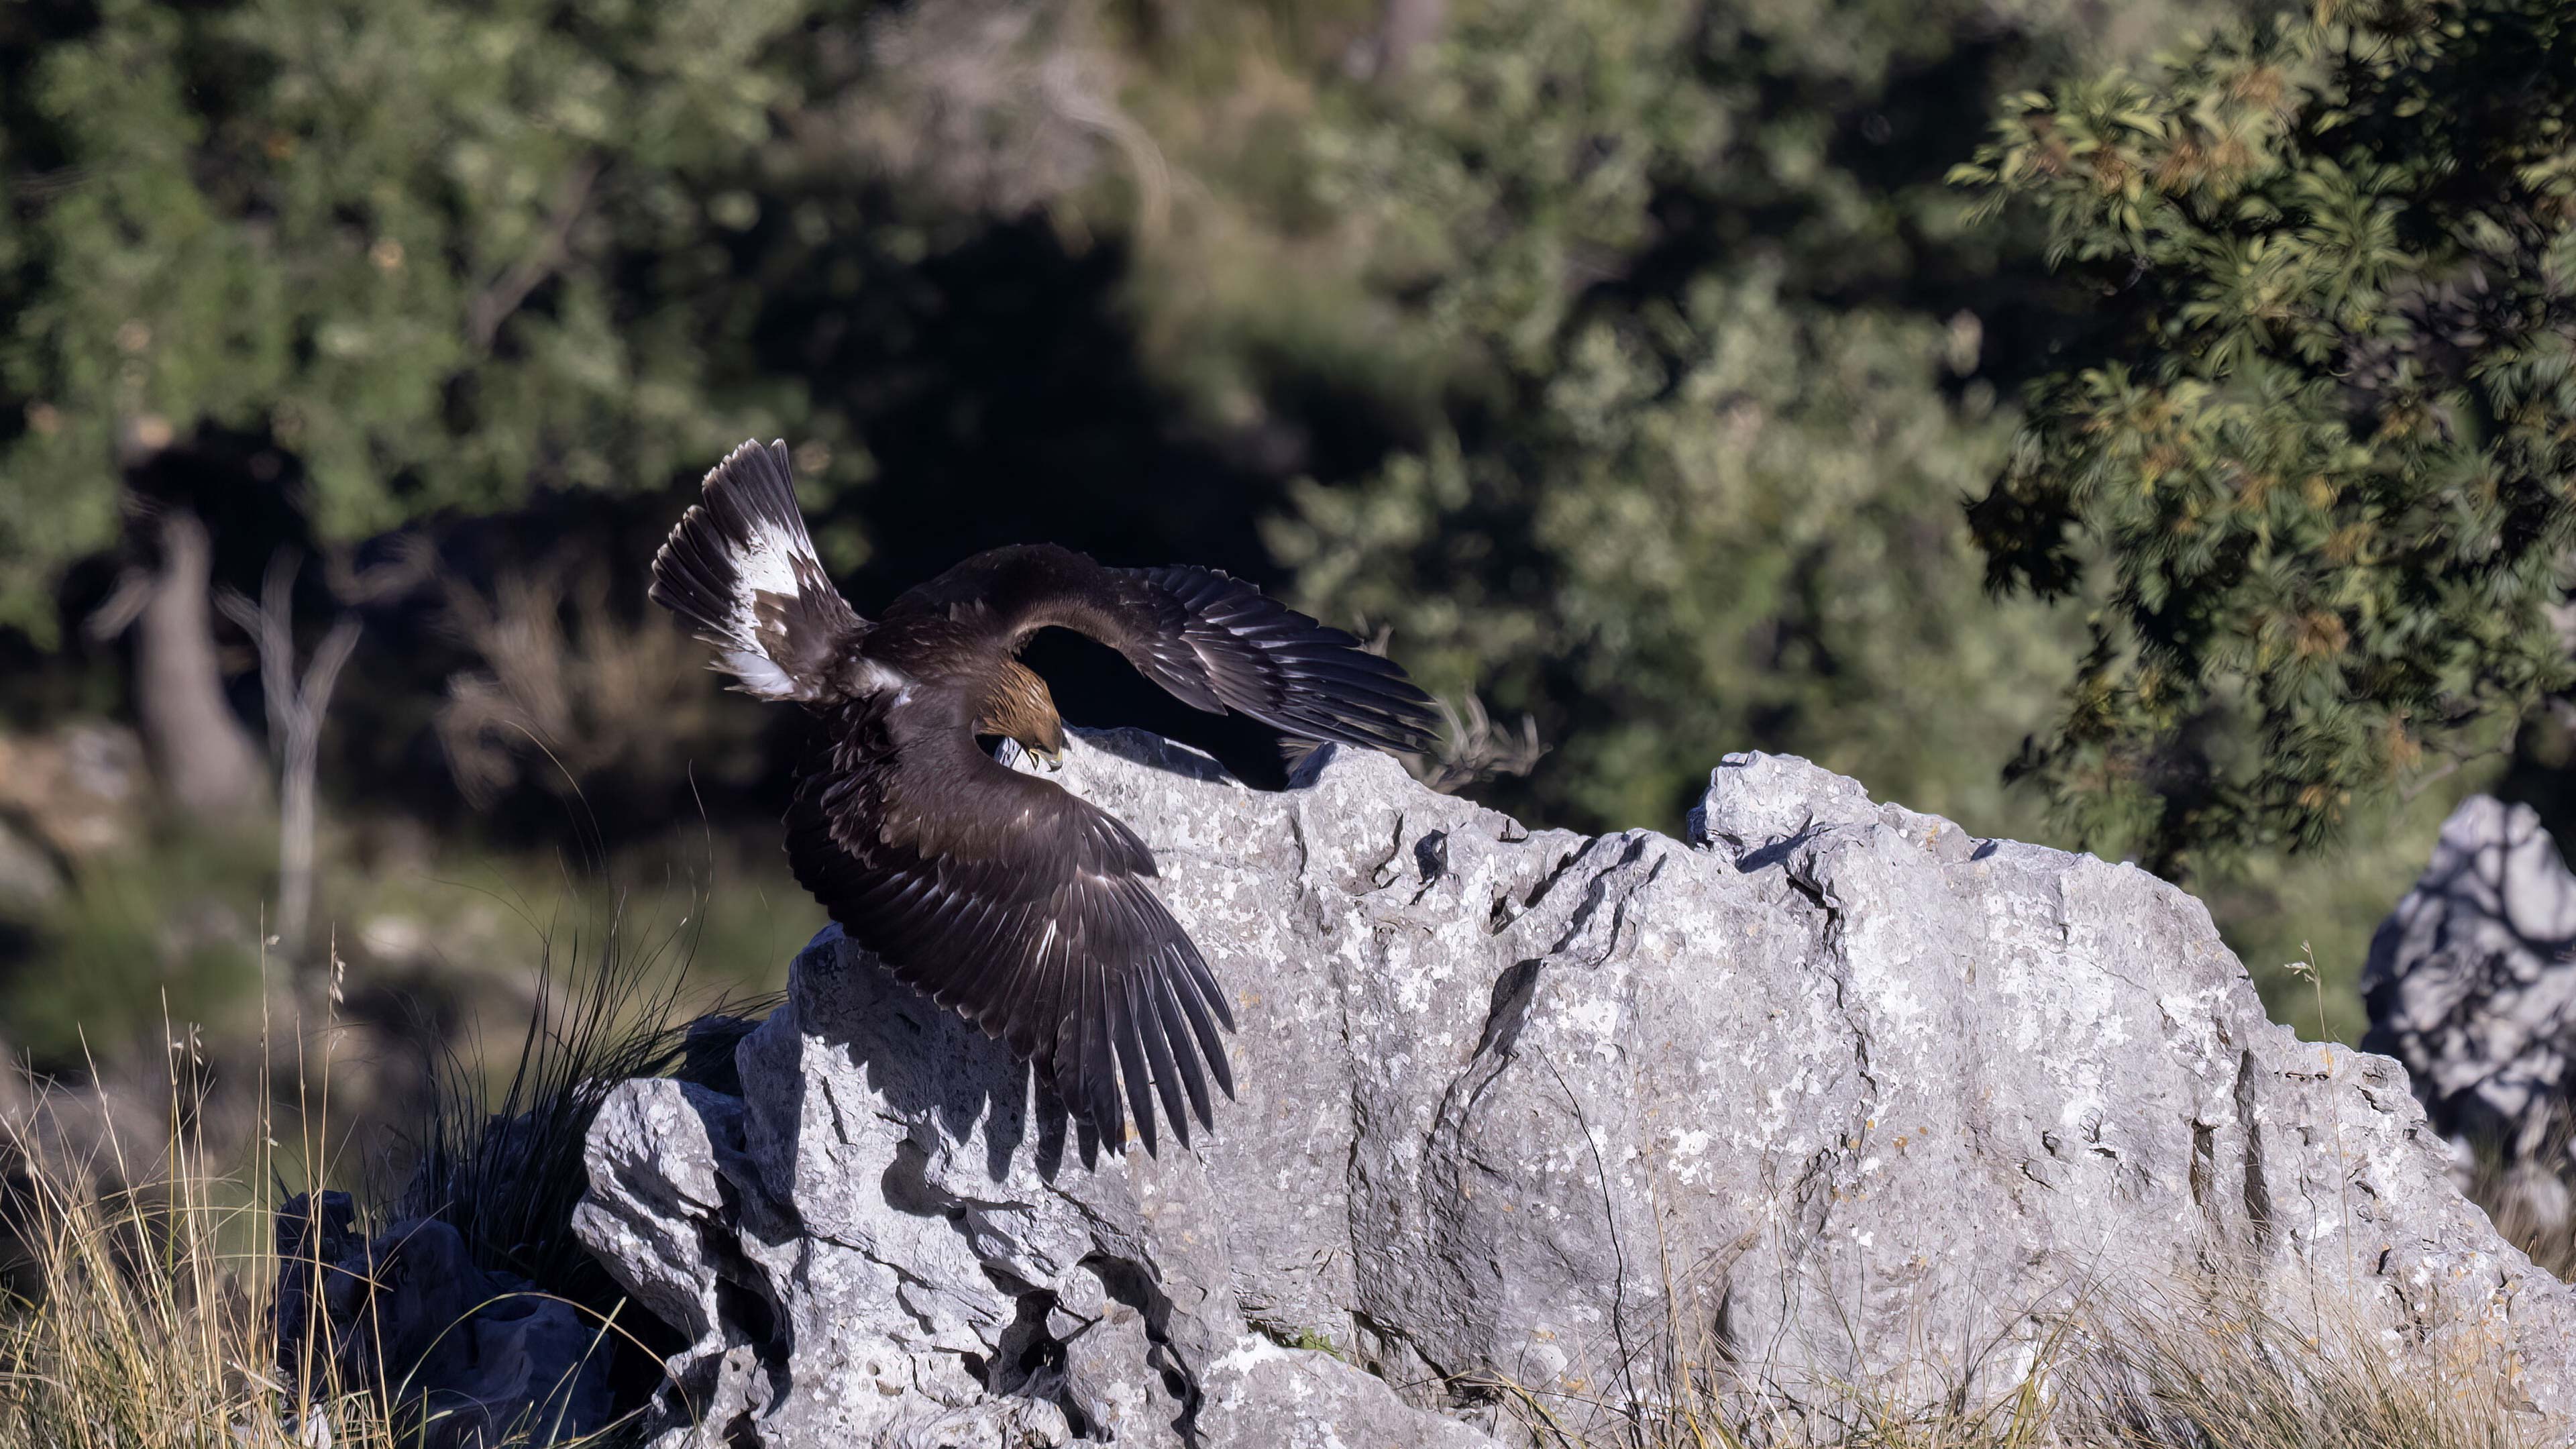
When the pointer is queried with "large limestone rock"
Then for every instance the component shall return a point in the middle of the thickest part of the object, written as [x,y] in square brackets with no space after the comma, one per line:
[1827,1092]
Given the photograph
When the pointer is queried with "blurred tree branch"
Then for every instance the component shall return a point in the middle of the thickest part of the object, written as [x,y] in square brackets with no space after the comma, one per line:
[296,710]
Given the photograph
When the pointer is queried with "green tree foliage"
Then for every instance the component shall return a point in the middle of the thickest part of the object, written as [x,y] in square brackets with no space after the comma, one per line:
[440,254]
[1715,333]
[2318,462]
[1726,523]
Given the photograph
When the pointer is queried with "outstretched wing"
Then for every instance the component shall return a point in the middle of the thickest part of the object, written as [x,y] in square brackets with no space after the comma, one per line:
[1024,909]
[1214,641]
[740,568]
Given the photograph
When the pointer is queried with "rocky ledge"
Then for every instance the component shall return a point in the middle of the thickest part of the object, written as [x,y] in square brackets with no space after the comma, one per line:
[1826,1092]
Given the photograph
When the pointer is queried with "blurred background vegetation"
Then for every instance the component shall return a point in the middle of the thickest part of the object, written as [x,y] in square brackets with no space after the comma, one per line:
[1633,365]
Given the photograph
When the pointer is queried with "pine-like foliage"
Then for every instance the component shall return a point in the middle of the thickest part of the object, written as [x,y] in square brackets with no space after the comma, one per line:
[2317,464]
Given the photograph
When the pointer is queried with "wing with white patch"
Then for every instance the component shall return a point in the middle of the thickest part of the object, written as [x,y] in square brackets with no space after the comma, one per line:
[740,568]
[1026,910]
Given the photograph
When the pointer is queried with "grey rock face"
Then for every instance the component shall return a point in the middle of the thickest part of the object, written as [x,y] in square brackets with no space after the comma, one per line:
[1828,1092]
[2471,986]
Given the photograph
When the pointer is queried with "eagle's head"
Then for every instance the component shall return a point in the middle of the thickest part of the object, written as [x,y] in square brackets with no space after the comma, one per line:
[1019,708]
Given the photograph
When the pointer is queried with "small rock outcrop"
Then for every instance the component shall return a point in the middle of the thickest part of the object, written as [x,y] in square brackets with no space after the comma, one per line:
[2471,985]
[1826,1092]
[465,1358]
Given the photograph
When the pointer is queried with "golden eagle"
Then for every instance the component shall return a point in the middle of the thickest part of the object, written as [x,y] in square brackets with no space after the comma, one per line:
[998,894]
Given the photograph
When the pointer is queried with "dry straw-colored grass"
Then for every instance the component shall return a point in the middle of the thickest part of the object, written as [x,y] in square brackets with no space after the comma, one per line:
[137,1314]
[138,1281]
[2180,1366]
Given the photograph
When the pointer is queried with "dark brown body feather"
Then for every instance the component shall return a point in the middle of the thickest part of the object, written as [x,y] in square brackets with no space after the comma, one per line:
[1002,896]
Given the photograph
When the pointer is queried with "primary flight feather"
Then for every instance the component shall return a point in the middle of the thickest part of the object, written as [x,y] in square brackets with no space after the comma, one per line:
[1002,896]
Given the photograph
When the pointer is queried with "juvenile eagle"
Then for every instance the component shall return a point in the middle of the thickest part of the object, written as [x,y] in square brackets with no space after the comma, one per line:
[1000,895]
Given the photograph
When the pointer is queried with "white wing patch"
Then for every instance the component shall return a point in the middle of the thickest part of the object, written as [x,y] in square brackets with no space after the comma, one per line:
[768,564]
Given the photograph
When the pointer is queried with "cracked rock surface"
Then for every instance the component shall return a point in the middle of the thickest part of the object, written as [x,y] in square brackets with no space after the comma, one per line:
[1825,1092]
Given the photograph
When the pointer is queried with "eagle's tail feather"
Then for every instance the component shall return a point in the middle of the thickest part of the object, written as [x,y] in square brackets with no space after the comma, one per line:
[741,569]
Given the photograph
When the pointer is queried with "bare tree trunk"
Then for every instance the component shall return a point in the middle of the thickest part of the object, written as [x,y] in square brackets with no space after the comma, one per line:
[297,768]
[295,715]
[209,767]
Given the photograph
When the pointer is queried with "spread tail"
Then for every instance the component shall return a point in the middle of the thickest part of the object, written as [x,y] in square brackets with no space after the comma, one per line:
[740,568]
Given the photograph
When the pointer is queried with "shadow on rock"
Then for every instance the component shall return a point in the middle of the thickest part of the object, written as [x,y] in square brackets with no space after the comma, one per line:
[883,1241]
[2471,984]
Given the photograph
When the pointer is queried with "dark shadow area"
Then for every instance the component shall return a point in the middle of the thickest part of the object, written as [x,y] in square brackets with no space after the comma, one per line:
[2541,773]
[1156,754]
[1095,688]
[1003,399]
[1001,394]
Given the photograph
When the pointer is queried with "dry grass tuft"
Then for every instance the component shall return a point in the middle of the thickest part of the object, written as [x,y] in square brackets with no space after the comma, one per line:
[1473,749]
[139,1283]
[570,678]
[2217,1375]
[2191,1364]
[137,1317]
[2532,1200]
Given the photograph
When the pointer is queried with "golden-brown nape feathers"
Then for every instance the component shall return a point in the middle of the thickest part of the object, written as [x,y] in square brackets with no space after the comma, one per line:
[1020,708]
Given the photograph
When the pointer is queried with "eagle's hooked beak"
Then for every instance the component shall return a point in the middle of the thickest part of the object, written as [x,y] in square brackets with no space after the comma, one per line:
[1052,759]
